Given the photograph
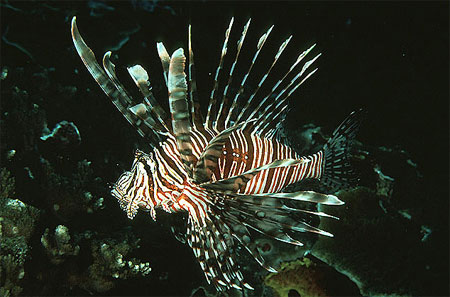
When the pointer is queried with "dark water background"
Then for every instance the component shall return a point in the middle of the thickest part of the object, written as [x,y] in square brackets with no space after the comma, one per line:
[390,58]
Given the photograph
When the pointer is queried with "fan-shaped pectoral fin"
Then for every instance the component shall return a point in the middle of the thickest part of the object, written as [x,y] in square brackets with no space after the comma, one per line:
[213,243]
[207,163]
[235,183]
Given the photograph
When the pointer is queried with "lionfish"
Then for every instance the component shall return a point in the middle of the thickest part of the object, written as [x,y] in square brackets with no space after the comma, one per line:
[227,171]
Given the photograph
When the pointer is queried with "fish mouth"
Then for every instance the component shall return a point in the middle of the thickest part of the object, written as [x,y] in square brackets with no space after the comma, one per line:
[123,199]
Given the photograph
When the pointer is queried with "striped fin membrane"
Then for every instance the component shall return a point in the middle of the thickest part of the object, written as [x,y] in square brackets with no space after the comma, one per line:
[179,108]
[196,114]
[235,183]
[107,80]
[219,125]
[141,79]
[226,170]
[208,161]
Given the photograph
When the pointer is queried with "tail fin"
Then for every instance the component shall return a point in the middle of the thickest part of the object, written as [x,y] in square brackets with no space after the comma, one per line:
[338,173]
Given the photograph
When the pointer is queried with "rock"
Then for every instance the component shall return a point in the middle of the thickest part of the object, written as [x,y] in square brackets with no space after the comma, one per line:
[309,277]
[378,251]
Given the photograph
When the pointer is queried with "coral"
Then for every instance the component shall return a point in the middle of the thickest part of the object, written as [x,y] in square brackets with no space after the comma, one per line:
[23,117]
[385,184]
[89,261]
[4,73]
[276,253]
[7,184]
[12,271]
[110,263]
[59,247]
[17,222]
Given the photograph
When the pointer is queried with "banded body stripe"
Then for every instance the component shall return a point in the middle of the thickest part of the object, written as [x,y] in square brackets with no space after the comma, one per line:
[242,152]
[228,171]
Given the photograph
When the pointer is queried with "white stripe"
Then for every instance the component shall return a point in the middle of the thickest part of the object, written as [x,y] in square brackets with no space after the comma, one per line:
[172,177]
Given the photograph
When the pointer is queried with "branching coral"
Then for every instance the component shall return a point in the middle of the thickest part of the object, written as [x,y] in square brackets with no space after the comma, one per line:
[16,226]
[59,245]
[7,184]
[110,262]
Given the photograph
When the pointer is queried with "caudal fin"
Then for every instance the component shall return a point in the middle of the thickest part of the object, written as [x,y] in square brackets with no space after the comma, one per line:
[338,173]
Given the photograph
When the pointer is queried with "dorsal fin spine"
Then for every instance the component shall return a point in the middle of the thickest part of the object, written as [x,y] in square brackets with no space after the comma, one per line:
[196,113]
[275,60]
[179,108]
[298,60]
[141,79]
[212,100]
[282,104]
[261,42]
[277,102]
[220,121]
[165,59]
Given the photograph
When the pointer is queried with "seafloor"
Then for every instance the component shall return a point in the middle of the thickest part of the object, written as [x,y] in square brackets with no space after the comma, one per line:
[63,144]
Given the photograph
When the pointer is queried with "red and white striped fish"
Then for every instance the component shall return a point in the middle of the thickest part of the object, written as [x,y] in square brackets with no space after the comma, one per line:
[227,171]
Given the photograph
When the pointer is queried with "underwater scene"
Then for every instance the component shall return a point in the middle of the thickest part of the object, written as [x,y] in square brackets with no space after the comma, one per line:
[224,148]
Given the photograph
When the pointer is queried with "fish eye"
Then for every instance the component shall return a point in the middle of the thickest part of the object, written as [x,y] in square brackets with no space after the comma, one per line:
[137,153]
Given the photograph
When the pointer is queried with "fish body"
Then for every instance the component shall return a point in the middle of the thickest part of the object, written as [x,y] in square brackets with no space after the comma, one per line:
[227,171]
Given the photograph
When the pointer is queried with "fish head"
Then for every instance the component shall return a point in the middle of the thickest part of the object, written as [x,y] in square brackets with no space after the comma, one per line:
[134,188]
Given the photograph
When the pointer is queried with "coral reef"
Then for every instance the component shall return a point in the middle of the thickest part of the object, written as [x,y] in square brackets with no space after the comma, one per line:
[7,184]
[17,223]
[110,263]
[379,213]
[59,247]
[102,261]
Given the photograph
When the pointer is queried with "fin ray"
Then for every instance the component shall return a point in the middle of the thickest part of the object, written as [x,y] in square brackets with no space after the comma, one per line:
[141,79]
[338,173]
[196,113]
[261,42]
[207,162]
[120,99]
[179,109]
[236,183]
[275,60]
[220,121]
[213,100]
